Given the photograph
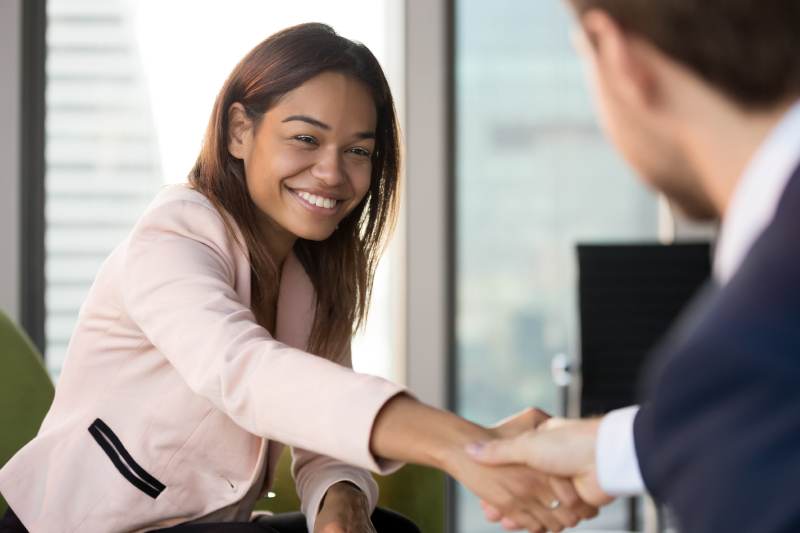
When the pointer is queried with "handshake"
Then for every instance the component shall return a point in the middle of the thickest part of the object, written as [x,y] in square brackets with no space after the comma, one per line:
[535,472]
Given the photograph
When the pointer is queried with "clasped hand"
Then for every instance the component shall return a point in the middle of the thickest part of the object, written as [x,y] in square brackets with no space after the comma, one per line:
[513,493]
[562,451]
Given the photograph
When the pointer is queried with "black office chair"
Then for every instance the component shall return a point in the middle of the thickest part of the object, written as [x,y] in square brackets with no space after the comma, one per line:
[629,297]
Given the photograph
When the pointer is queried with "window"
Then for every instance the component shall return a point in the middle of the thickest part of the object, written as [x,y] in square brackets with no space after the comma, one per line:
[130,86]
[534,177]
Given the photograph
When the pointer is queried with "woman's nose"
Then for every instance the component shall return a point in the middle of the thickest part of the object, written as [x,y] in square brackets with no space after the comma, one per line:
[329,168]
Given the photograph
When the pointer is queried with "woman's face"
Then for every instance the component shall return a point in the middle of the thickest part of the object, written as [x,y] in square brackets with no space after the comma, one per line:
[309,162]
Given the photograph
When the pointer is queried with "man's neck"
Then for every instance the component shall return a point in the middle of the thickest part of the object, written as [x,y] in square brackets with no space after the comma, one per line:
[720,139]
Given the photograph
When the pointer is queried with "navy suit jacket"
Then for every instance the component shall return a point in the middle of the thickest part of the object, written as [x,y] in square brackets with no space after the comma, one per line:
[718,435]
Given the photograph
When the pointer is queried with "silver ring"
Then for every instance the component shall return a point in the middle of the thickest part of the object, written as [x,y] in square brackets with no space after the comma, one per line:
[555,505]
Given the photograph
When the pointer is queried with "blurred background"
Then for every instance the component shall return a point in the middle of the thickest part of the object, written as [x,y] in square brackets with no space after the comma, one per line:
[103,102]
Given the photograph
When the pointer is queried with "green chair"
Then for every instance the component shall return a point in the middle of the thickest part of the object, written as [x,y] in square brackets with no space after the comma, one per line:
[415,491]
[26,391]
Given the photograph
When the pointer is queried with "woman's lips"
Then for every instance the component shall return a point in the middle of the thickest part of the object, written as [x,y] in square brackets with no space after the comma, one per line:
[319,201]
[316,203]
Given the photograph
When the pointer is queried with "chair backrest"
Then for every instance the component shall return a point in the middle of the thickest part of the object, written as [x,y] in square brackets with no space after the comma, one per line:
[26,391]
[629,297]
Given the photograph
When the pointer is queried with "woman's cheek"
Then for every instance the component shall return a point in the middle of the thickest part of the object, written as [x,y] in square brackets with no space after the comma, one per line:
[362,182]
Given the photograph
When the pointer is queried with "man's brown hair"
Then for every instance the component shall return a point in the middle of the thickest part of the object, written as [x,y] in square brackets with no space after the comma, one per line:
[749,49]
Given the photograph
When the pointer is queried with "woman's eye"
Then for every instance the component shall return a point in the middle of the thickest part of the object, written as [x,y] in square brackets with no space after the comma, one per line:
[361,151]
[306,139]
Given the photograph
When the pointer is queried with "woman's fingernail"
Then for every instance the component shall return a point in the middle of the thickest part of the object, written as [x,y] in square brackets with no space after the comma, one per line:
[475,449]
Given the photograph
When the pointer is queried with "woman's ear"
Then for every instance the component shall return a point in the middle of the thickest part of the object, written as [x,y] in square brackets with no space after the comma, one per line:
[240,131]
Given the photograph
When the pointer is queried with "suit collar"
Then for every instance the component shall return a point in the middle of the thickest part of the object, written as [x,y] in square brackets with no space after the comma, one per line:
[757,195]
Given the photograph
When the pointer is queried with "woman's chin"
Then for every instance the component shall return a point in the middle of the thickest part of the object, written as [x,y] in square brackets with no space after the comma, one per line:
[316,234]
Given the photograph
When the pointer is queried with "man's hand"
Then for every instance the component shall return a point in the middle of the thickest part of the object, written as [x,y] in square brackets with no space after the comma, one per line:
[558,447]
[345,510]
[520,494]
[519,423]
[562,488]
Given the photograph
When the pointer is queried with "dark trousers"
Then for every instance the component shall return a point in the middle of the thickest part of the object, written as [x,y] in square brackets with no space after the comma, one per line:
[385,521]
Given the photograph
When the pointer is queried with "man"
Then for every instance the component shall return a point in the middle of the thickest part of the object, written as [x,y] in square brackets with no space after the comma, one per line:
[701,97]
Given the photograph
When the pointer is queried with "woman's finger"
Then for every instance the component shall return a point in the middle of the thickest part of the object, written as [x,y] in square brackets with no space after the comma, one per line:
[564,491]
[510,525]
[534,494]
[525,521]
[490,513]
[585,511]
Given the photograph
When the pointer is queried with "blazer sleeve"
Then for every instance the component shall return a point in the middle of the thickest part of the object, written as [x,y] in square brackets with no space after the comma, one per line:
[315,473]
[178,287]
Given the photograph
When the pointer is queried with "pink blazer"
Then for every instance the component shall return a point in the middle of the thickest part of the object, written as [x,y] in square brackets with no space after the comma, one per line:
[172,400]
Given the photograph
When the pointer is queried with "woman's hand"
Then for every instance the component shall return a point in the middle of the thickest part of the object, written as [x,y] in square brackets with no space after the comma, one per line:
[345,510]
[562,488]
[521,497]
[409,431]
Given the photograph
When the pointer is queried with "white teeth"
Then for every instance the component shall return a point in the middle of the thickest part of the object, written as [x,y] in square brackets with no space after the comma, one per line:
[319,201]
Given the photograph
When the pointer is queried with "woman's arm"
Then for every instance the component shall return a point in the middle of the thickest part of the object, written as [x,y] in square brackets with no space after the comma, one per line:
[349,492]
[407,430]
[178,287]
[181,272]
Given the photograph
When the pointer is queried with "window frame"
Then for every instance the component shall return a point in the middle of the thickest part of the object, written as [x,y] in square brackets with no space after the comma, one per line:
[32,171]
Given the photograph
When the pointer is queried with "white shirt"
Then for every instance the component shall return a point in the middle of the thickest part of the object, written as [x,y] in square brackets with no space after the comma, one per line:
[751,209]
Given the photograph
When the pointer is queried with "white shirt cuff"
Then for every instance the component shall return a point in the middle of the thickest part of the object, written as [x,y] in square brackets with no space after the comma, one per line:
[615,453]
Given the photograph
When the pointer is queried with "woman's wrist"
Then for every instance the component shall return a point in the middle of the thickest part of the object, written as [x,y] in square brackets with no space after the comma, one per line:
[344,504]
[409,431]
[344,492]
[453,441]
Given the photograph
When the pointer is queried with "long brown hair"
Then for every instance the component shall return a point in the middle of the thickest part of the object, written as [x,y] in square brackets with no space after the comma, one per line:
[342,267]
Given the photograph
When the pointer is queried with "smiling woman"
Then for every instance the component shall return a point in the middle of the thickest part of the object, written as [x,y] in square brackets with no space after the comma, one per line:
[209,313]
[302,113]
[219,331]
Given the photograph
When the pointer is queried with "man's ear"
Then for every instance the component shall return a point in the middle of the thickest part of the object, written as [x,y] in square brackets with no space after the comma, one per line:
[240,131]
[622,58]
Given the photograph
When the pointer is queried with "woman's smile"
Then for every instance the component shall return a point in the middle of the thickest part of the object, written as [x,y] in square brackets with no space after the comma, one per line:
[318,202]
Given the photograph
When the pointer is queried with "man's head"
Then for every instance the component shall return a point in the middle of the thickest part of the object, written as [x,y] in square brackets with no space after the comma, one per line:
[658,65]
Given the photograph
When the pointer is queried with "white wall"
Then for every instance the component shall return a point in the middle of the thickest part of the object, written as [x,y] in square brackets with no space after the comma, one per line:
[10,74]
[426,200]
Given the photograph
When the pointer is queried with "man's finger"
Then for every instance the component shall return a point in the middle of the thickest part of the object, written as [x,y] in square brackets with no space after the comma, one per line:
[519,423]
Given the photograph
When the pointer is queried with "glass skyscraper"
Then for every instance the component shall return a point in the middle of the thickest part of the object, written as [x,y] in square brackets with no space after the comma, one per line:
[103,166]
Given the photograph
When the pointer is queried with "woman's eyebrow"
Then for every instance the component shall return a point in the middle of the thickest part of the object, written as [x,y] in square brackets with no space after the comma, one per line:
[323,126]
[307,120]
